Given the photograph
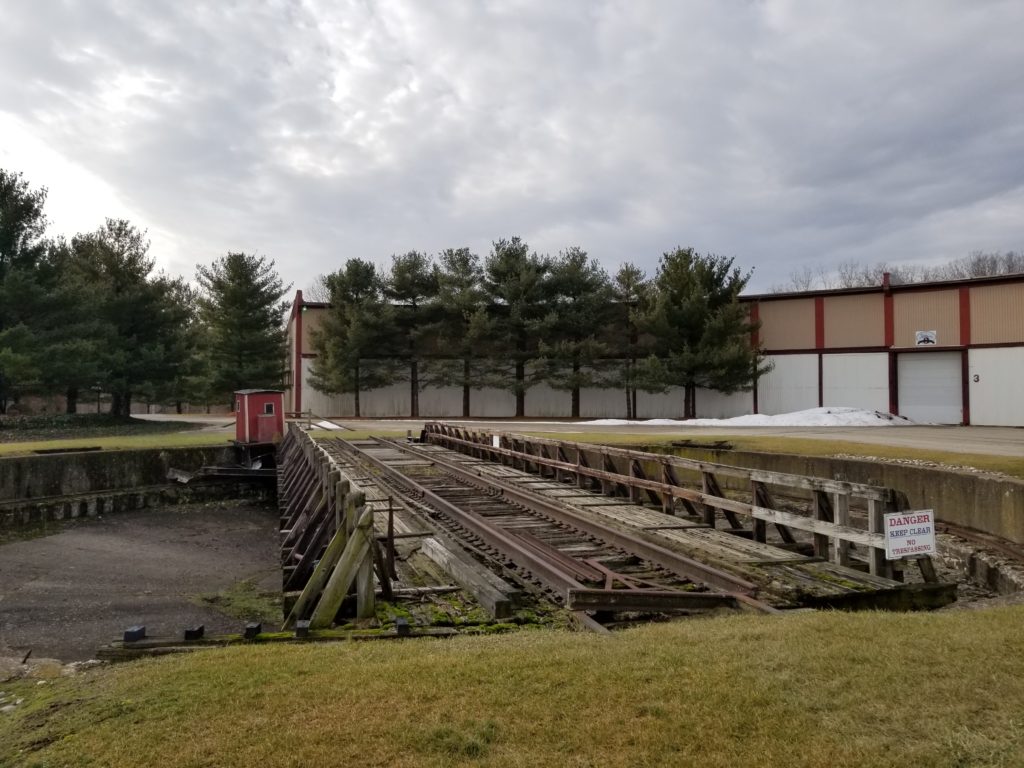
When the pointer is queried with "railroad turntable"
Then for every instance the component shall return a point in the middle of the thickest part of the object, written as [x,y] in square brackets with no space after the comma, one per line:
[465,531]
[526,527]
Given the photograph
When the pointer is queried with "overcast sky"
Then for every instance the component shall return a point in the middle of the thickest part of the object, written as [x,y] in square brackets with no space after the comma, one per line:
[783,134]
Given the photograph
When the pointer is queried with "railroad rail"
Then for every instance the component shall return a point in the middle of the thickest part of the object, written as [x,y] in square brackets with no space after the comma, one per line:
[587,565]
[504,518]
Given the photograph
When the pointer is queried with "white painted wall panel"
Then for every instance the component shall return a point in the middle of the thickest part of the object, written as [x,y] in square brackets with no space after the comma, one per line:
[859,380]
[930,387]
[665,405]
[543,401]
[996,395]
[715,405]
[792,385]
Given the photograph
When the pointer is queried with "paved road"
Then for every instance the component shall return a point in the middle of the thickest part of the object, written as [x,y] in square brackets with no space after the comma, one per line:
[1000,441]
[66,594]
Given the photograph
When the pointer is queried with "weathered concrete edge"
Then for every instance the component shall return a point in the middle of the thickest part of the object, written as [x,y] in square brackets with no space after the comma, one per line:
[63,474]
[29,511]
[987,504]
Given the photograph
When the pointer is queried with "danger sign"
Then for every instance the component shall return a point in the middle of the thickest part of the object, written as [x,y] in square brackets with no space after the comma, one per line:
[909,533]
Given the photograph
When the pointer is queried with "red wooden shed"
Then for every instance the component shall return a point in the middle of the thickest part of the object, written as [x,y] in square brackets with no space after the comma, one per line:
[259,415]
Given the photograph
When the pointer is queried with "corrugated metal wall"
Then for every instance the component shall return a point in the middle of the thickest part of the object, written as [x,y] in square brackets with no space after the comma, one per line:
[995,396]
[997,314]
[854,321]
[856,380]
[926,311]
[541,402]
[792,385]
[787,324]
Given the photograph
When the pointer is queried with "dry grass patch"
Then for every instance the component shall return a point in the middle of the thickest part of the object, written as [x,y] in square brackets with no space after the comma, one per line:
[1011,466]
[803,690]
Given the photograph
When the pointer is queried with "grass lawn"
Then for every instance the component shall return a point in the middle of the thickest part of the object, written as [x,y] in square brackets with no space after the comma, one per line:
[812,689]
[161,439]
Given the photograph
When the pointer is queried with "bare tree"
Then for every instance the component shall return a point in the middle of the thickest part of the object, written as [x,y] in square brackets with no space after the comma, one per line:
[855,274]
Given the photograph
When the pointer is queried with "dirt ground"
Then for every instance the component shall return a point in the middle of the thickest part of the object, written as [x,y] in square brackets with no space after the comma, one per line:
[65,594]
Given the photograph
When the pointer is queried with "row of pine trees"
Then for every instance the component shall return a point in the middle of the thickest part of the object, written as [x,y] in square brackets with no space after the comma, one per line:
[91,316]
[517,318]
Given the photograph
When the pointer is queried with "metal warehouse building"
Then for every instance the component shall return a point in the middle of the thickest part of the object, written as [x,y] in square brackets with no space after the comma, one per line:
[945,352]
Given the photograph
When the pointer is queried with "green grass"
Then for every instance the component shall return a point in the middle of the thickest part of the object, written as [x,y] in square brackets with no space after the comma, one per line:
[186,439]
[816,689]
[1012,466]
[245,600]
[122,442]
[64,425]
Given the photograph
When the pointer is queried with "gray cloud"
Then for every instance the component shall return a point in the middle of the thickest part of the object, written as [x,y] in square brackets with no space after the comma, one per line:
[781,133]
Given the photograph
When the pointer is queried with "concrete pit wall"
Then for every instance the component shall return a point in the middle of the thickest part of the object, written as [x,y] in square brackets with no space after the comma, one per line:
[62,474]
[37,489]
[991,505]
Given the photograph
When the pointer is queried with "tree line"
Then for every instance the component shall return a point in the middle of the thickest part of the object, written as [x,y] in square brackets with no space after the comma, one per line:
[90,316]
[517,318]
[855,274]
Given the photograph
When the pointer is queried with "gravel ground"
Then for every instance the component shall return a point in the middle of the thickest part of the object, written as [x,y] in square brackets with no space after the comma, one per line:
[66,594]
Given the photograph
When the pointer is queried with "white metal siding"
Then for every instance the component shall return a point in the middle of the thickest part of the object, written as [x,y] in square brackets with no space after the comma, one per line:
[859,380]
[715,405]
[930,385]
[664,405]
[996,395]
[792,385]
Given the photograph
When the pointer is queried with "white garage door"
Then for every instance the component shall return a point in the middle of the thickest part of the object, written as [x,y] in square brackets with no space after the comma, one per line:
[930,387]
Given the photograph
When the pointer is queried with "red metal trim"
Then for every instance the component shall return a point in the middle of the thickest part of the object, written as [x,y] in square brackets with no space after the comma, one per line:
[872,350]
[821,380]
[890,326]
[894,384]
[965,386]
[938,285]
[965,316]
[297,373]
[819,322]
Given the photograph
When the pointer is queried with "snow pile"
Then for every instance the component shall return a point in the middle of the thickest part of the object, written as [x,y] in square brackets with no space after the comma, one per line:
[813,417]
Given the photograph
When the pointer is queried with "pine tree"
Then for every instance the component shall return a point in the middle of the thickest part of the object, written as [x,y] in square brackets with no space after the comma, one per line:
[412,286]
[515,285]
[241,304]
[632,293]
[579,305]
[463,328]
[702,332]
[141,340]
[357,336]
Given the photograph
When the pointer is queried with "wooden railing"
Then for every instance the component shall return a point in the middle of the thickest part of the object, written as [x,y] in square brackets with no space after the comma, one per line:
[672,481]
[327,539]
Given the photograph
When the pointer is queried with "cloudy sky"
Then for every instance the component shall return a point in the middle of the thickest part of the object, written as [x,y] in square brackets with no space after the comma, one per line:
[781,133]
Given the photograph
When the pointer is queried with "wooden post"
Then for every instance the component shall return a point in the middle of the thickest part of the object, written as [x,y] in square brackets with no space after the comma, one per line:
[877,564]
[365,593]
[841,512]
[667,479]
[352,559]
[706,487]
[760,527]
[822,511]
[321,574]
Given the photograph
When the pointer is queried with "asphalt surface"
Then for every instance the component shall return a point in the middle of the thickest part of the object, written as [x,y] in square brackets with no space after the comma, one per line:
[65,595]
